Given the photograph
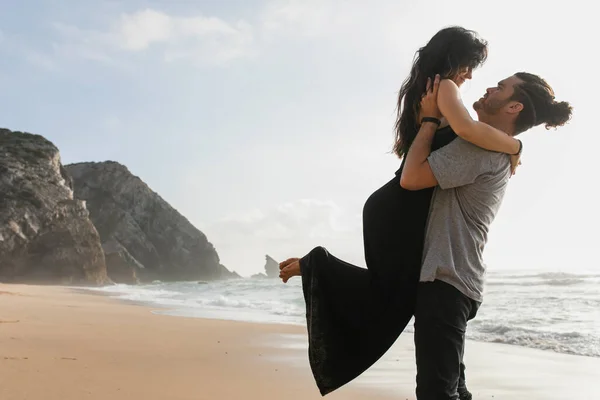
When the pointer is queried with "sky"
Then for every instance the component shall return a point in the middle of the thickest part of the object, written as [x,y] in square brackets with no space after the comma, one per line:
[268,123]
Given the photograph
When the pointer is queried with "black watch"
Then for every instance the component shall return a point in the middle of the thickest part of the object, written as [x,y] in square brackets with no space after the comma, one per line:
[431,119]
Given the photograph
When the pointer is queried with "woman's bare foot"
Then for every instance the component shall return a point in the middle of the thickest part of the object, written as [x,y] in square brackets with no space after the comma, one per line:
[292,269]
[287,262]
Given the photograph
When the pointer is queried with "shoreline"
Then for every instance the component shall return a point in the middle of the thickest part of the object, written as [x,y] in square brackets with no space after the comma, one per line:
[82,344]
[243,315]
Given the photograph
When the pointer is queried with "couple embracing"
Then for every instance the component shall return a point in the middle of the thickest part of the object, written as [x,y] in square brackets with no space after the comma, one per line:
[425,230]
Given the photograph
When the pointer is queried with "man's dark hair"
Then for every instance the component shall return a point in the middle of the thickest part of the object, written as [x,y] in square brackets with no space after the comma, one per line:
[539,106]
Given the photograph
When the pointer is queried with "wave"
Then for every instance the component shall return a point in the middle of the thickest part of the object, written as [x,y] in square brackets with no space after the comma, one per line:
[546,275]
[135,291]
[543,279]
[563,319]
[243,296]
[576,343]
[550,282]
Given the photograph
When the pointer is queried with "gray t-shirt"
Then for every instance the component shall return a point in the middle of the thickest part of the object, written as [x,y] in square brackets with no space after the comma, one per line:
[472,182]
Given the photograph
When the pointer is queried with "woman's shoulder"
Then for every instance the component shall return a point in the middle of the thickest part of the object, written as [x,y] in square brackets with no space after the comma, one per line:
[448,90]
[448,84]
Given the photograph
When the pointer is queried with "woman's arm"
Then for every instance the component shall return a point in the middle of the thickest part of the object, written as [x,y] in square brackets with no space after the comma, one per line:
[478,133]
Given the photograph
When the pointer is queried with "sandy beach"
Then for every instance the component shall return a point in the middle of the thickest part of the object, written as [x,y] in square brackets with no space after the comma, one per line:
[58,343]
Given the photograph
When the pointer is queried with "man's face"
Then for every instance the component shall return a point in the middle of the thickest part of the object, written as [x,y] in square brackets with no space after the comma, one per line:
[497,99]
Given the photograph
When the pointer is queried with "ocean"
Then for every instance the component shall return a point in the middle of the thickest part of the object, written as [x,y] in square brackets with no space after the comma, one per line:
[553,311]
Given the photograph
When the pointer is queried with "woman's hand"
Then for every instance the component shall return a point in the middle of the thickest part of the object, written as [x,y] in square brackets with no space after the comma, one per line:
[429,107]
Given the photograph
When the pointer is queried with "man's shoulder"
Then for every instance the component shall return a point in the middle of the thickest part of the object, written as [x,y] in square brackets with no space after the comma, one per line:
[499,169]
[496,158]
[500,162]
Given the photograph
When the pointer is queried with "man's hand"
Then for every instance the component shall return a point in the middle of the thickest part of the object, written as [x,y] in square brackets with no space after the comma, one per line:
[429,107]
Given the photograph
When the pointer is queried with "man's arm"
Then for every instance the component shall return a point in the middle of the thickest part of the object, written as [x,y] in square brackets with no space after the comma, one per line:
[417,173]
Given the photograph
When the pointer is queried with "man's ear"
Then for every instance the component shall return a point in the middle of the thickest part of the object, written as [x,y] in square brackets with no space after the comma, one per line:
[515,107]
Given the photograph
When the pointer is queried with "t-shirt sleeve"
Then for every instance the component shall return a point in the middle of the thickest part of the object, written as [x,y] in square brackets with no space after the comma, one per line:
[459,163]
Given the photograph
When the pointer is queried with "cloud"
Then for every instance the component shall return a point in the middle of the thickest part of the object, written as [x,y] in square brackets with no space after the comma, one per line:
[304,18]
[200,39]
[290,229]
[206,39]
[337,21]
[210,40]
[140,30]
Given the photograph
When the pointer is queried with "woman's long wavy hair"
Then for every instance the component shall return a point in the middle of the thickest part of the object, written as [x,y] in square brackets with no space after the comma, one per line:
[449,51]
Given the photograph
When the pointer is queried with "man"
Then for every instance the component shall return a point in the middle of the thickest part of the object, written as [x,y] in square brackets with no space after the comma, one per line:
[470,184]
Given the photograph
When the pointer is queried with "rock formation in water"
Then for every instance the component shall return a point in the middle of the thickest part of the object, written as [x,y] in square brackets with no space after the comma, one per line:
[271,267]
[143,236]
[46,235]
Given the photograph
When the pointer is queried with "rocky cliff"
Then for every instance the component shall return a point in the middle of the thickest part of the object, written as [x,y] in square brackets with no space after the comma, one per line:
[271,267]
[144,237]
[45,234]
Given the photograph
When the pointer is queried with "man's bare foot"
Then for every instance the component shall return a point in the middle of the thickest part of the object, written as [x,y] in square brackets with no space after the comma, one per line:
[287,262]
[292,269]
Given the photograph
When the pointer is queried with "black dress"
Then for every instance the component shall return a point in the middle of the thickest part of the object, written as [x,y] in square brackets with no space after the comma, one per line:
[354,314]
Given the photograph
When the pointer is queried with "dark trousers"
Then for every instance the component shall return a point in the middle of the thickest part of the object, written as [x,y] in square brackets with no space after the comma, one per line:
[441,317]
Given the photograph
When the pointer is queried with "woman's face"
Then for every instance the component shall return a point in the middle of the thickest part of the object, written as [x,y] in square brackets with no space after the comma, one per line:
[462,75]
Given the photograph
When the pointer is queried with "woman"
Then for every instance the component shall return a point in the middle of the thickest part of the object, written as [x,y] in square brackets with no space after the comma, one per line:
[354,314]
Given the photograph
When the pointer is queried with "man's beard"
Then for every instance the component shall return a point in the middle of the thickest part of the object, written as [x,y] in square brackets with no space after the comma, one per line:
[486,110]
[490,107]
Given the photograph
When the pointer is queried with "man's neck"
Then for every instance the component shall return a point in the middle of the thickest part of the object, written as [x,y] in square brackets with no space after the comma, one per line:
[499,123]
